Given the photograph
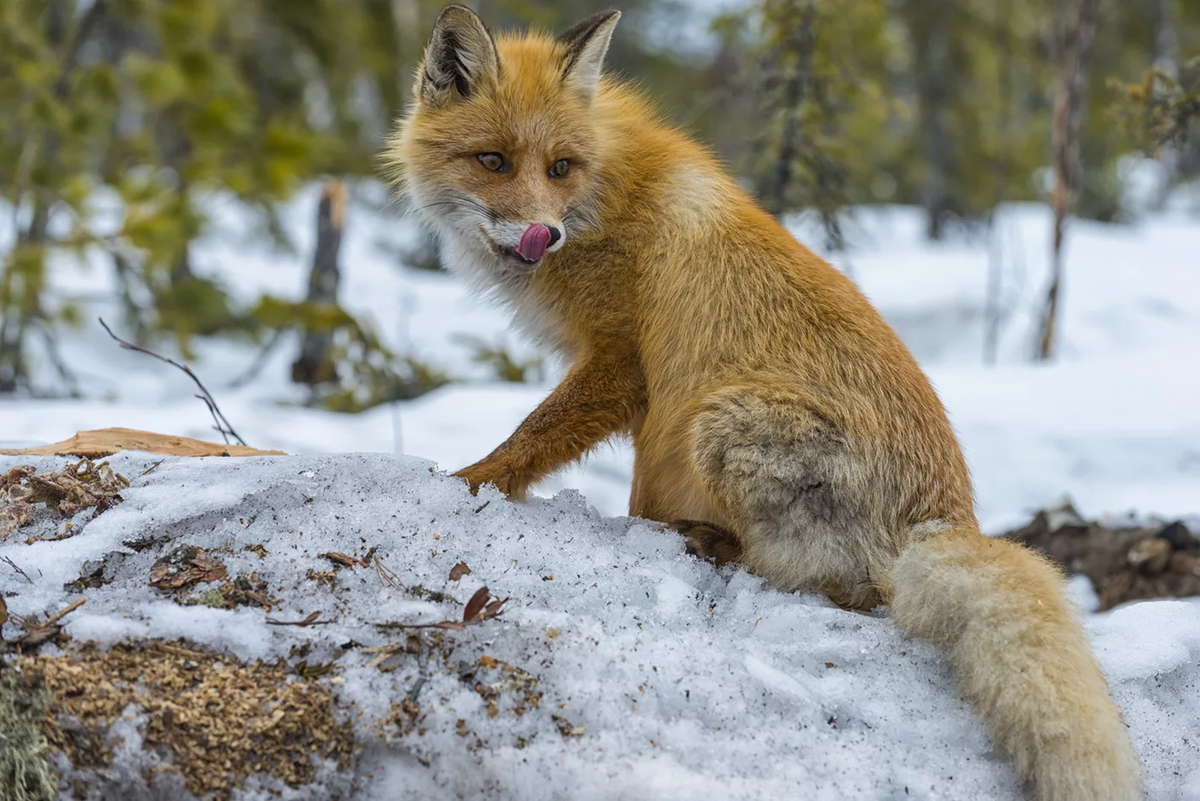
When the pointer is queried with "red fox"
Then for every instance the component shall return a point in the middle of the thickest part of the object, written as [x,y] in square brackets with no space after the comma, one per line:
[777,421]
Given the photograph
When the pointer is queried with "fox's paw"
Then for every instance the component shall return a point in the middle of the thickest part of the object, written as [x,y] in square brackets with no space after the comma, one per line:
[716,544]
[481,473]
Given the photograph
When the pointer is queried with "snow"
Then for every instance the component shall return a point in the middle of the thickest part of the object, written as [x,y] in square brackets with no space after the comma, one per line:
[688,681]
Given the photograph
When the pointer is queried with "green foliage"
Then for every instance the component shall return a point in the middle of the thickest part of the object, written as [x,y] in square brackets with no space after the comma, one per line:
[505,367]
[945,105]
[1162,110]
[122,115]
[820,69]
[364,371]
[154,104]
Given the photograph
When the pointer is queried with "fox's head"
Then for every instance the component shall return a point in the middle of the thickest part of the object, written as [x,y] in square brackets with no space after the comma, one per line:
[499,149]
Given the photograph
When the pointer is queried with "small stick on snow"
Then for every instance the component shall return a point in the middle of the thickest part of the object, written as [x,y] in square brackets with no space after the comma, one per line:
[13,565]
[222,425]
[57,616]
[311,620]
[151,468]
[386,574]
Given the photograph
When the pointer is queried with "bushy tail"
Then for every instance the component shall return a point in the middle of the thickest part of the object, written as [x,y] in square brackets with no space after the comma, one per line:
[1021,658]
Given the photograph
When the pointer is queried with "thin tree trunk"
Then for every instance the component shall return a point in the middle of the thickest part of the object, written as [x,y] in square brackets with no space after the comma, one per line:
[1078,32]
[928,25]
[992,310]
[315,365]
[794,90]
[1165,55]
[14,368]
[1163,14]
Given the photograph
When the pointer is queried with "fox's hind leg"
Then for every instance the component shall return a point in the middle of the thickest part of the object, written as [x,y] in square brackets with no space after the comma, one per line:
[802,504]
[709,541]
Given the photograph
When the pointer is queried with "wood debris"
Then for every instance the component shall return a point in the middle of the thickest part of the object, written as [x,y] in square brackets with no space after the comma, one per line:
[102,442]
[36,632]
[80,486]
[1124,563]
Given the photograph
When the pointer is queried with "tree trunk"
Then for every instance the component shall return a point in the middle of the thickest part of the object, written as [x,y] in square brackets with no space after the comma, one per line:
[992,310]
[928,26]
[1077,34]
[1163,15]
[1165,57]
[315,365]
[795,85]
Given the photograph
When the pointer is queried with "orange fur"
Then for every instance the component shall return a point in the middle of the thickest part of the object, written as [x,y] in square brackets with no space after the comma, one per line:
[770,405]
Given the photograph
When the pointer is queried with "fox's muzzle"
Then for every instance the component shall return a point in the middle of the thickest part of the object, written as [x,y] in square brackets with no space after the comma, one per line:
[536,239]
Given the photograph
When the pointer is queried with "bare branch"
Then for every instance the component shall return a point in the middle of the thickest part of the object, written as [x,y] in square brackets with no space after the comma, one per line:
[15,567]
[222,424]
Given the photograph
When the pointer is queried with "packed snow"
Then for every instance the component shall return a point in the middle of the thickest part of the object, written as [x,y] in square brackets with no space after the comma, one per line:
[675,680]
[671,679]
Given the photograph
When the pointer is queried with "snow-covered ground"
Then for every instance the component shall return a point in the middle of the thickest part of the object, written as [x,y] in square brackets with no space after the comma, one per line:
[671,679]
[689,682]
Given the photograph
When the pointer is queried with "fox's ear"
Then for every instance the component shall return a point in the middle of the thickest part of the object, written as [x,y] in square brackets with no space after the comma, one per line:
[460,57]
[586,43]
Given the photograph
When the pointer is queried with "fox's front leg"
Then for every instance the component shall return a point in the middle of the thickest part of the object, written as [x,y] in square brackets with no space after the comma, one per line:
[601,395]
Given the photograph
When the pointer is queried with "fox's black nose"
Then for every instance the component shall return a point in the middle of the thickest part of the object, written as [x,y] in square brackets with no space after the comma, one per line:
[555,235]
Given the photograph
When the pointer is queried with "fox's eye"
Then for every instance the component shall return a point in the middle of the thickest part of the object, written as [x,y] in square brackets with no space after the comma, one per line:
[494,162]
[559,168]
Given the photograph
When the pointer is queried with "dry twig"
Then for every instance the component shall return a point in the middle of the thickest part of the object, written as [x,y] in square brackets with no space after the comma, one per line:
[311,620]
[13,565]
[222,424]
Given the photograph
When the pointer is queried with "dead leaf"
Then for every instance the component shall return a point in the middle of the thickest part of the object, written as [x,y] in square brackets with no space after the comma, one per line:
[345,560]
[3,612]
[476,605]
[340,559]
[566,728]
[185,566]
[479,609]
[459,570]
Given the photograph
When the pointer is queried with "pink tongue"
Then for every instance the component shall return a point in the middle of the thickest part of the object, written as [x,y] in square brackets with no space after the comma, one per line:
[534,242]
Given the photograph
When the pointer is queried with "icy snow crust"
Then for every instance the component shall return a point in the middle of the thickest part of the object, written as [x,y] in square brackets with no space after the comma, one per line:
[689,681]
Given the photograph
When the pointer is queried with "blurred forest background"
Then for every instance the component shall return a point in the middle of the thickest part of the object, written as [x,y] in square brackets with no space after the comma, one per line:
[122,116]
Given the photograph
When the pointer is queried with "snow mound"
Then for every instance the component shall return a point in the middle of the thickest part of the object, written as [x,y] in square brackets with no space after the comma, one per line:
[620,668]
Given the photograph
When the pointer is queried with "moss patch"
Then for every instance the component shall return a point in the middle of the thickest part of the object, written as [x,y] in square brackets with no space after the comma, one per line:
[24,772]
[216,722]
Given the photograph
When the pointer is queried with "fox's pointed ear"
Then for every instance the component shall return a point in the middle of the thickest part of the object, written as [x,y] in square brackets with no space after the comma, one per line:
[586,44]
[459,59]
